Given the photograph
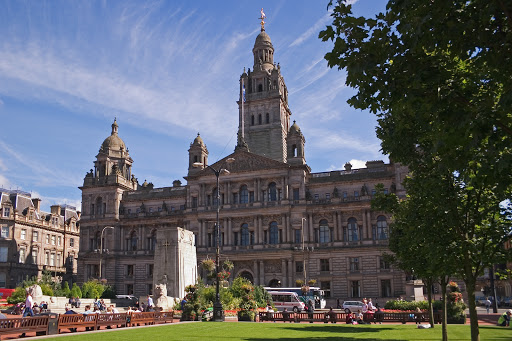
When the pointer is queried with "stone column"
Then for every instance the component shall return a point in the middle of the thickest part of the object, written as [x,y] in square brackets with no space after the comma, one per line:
[369,224]
[335,226]
[311,228]
[229,236]
[284,282]
[291,282]
[262,273]
[256,272]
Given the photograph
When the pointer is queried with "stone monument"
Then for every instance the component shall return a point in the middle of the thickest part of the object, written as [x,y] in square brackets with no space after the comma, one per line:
[175,265]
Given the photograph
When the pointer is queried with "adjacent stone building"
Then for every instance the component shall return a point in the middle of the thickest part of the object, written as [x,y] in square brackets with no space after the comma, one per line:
[278,219]
[32,240]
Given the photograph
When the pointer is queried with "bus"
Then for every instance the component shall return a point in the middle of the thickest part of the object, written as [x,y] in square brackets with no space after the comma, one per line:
[315,293]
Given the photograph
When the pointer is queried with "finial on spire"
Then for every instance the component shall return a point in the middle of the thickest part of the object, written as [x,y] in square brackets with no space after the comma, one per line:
[263,16]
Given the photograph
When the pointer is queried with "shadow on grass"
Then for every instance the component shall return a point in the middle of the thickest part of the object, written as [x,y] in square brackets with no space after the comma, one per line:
[334,329]
[337,333]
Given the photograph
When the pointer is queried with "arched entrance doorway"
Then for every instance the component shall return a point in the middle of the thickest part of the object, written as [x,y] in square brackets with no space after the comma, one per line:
[274,283]
[247,275]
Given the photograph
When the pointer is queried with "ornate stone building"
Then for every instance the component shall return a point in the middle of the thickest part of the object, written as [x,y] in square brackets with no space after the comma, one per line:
[277,218]
[32,240]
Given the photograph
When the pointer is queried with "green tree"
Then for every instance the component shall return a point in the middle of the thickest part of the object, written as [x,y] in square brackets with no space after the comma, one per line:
[437,75]
[75,291]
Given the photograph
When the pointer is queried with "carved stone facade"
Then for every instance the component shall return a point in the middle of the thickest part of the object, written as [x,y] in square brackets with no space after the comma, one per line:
[33,240]
[277,218]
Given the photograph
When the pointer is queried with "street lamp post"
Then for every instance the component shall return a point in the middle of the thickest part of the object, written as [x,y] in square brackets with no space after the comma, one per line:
[303,253]
[218,310]
[101,245]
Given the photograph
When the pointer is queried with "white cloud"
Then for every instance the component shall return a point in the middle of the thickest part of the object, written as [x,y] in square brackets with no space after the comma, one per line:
[3,167]
[4,182]
[356,164]
[313,30]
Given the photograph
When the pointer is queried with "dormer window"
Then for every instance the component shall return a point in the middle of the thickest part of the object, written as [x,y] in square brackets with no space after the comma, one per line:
[7,211]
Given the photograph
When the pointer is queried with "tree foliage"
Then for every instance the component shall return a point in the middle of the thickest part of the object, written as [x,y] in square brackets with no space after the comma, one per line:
[437,75]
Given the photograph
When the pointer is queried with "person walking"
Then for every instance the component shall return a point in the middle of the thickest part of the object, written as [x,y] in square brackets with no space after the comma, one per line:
[29,302]
[487,304]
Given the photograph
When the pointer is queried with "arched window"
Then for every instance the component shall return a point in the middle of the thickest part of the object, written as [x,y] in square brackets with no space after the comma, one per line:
[353,233]
[274,233]
[195,158]
[267,118]
[272,192]
[133,241]
[324,232]
[244,235]
[252,120]
[152,241]
[259,119]
[99,206]
[382,227]
[244,195]
[214,196]
[294,150]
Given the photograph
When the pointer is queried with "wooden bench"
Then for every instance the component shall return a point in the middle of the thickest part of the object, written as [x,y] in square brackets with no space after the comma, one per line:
[74,321]
[141,318]
[402,317]
[276,316]
[164,316]
[109,320]
[37,324]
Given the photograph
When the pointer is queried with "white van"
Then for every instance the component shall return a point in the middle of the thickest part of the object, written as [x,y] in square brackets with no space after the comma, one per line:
[288,300]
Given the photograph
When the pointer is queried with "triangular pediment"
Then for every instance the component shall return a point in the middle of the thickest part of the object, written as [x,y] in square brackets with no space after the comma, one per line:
[245,162]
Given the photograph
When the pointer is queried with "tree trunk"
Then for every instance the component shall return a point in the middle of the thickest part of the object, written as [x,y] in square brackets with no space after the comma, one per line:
[430,281]
[444,283]
[473,317]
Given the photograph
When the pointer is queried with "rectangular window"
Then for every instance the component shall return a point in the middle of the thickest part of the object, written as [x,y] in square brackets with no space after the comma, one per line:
[53,239]
[326,287]
[129,289]
[345,195]
[151,268]
[373,192]
[59,240]
[356,194]
[235,238]
[354,264]
[5,231]
[2,280]
[385,287]
[327,196]
[3,253]
[355,289]
[34,256]
[151,208]
[22,256]
[31,215]
[150,289]
[235,198]
[71,242]
[251,196]
[194,202]
[159,208]
[47,239]
[52,259]
[296,194]
[58,263]
[384,264]
[23,234]
[47,258]
[209,240]
[35,236]
[129,270]
[324,265]
[299,266]
[317,197]
[298,236]
[7,211]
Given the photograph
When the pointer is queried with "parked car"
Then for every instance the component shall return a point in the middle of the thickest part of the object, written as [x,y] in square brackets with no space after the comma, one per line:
[352,306]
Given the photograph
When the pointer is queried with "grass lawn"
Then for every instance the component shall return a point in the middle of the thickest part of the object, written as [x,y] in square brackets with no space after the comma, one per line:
[279,331]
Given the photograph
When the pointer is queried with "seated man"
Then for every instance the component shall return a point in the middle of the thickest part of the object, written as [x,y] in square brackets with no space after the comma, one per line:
[330,316]
[68,312]
[504,319]
[349,319]
[286,315]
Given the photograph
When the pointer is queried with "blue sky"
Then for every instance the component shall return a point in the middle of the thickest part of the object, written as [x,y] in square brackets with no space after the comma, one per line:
[166,70]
